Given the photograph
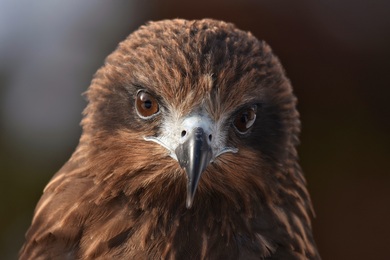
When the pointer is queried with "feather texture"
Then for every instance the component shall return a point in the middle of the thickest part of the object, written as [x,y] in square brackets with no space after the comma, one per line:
[120,196]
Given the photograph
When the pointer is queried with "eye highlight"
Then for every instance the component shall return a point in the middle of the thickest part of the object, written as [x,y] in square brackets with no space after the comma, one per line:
[245,119]
[146,104]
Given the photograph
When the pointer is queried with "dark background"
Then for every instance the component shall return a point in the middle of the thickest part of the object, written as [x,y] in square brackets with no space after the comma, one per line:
[336,53]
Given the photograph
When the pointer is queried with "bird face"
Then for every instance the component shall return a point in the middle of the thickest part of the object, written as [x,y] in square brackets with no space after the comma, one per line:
[211,100]
[182,107]
[193,140]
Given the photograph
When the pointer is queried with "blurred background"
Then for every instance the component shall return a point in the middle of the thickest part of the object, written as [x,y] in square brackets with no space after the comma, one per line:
[336,53]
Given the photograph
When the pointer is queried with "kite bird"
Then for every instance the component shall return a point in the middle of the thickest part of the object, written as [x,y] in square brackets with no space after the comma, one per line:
[188,151]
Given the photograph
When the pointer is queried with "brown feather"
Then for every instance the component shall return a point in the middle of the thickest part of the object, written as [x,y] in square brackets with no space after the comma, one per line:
[119,196]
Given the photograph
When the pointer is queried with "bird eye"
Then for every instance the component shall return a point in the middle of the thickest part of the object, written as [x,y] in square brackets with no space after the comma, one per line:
[245,119]
[146,104]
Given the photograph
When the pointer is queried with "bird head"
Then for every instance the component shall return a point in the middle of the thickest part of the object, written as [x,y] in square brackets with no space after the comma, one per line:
[199,97]
[188,151]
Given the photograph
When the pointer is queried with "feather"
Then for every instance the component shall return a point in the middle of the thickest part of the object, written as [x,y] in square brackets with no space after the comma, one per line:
[122,194]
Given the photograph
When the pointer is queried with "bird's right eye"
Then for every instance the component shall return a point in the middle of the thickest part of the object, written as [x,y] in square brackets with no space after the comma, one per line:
[146,104]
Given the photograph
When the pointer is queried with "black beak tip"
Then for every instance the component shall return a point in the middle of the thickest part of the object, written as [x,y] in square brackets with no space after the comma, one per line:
[189,202]
[191,190]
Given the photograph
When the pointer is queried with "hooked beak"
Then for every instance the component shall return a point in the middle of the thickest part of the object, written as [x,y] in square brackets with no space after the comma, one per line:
[194,154]
[194,143]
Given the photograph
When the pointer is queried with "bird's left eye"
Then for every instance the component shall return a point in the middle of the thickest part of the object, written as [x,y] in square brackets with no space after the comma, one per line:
[245,119]
[146,104]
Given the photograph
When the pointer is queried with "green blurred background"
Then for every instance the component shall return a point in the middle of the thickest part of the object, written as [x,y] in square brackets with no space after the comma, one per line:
[336,53]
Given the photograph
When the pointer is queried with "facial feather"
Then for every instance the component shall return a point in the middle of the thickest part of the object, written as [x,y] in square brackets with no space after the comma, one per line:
[121,195]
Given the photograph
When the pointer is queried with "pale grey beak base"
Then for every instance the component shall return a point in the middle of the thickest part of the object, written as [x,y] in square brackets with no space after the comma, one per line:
[194,141]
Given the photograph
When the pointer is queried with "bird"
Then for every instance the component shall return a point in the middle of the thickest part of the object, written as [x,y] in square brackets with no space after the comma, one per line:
[188,151]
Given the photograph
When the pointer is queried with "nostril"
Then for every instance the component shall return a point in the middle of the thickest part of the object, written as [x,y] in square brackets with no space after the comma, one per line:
[183,133]
[210,137]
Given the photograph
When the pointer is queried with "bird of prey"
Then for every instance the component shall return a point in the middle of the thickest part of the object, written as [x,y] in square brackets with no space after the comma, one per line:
[188,151]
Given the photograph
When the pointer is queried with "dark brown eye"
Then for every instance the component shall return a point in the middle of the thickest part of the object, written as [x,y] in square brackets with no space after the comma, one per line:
[245,119]
[146,104]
